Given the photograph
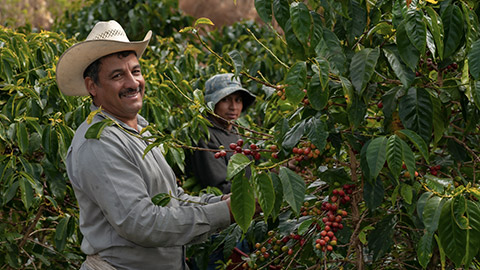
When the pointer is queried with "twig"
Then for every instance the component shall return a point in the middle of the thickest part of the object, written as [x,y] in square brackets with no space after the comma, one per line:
[31,227]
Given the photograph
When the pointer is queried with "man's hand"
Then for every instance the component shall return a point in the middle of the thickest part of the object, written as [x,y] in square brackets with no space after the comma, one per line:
[226,197]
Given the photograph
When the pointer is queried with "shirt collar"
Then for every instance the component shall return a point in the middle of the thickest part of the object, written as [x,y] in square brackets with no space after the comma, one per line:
[141,122]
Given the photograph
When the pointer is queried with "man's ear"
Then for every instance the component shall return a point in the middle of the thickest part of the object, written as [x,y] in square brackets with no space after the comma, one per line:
[91,86]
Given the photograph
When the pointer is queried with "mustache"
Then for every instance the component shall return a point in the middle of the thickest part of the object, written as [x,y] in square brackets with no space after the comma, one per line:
[129,91]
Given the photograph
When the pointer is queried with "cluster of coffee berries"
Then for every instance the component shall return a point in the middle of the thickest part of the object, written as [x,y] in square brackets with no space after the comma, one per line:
[332,221]
[434,169]
[275,252]
[238,149]
[281,93]
[220,154]
[305,100]
[305,151]
[274,150]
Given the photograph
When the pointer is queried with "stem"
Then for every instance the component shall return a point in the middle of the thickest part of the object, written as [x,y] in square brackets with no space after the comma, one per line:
[32,226]
[267,49]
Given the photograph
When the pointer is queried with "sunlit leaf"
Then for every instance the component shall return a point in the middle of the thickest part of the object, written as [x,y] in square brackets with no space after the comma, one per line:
[95,130]
[237,164]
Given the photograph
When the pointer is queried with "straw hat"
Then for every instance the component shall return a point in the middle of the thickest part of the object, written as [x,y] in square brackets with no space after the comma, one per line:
[104,39]
[222,85]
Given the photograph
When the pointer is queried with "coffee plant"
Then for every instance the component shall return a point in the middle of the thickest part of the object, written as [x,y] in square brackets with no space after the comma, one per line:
[362,142]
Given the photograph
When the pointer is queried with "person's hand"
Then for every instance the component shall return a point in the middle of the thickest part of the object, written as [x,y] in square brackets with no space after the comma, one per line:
[226,198]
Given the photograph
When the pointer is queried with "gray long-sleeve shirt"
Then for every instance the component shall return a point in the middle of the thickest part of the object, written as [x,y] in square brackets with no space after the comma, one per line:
[114,185]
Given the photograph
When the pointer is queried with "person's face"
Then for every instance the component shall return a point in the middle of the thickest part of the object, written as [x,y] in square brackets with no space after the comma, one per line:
[230,107]
[120,87]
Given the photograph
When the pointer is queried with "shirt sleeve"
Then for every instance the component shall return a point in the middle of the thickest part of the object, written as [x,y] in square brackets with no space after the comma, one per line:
[114,182]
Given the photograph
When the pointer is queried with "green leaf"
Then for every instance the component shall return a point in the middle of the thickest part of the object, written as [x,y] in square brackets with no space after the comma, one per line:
[323,68]
[61,233]
[293,136]
[330,48]
[437,184]
[424,249]
[50,140]
[431,213]
[435,25]
[417,141]
[403,73]
[452,238]
[27,194]
[380,239]
[356,110]
[373,193]
[439,120]
[452,18]
[406,191]
[301,21]
[476,93]
[408,52]
[474,60]
[416,29]
[362,67]
[303,228]
[317,29]
[296,80]
[177,157]
[237,61]
[264,10]
[459,208]
[242,201]
[408,159]
[416,112]
[237,164]
[394,155]
[265,193]
[95,130]
[161,199]
[376,155]
[277,187]
[317,95]
[281,11]
[293,43]
[293,188]
[473,233]
[421,202]
[186,29]
[471,25]
[200,21]
[316,132]
[22,137]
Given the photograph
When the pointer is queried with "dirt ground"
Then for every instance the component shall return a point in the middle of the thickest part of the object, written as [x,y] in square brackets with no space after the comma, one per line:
[41,13]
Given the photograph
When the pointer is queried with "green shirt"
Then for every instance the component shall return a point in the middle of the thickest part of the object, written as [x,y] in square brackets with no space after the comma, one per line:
[114,183]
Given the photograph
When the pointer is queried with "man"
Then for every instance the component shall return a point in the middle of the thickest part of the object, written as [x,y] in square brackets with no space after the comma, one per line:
[112,180]
[228,99]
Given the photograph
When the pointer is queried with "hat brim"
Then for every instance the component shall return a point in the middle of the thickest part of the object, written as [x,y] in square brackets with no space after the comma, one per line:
[74,61]
[247,97]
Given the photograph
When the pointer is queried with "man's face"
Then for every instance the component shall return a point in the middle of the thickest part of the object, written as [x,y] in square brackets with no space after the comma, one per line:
[120,87]
[230,107]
